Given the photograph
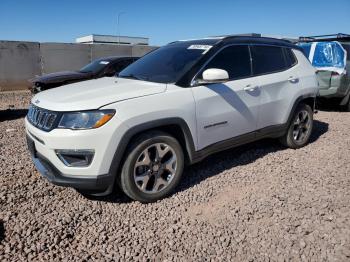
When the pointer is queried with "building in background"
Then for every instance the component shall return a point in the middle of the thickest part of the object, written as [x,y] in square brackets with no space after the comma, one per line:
[112,39]
[21,61]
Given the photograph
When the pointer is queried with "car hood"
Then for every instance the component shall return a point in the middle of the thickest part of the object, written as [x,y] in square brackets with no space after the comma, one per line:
[94,94]
[60,76]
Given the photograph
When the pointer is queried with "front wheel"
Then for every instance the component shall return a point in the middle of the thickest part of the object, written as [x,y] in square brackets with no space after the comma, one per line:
[300,128]
[152,168]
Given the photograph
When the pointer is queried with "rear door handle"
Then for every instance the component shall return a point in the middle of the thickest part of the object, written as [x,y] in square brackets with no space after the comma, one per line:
[293,79]
[250,88]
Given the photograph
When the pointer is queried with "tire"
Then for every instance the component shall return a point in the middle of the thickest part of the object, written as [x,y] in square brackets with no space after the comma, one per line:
[300,128]
[148,179]
[347,106]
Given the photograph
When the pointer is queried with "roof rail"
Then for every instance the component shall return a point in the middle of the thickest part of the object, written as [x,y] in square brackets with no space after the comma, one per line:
[246,34]
[331,36]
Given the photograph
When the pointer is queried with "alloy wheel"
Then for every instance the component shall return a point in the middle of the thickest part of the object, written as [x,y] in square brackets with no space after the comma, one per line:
[155,168]
[301,128]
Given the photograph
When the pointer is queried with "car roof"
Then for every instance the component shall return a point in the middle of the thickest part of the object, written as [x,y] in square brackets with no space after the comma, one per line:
[260,40]
[238,39]
[202,41]
[115,58]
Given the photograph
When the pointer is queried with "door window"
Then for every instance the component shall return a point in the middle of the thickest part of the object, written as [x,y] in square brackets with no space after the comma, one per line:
[234,59]
[267,59]
[290,58]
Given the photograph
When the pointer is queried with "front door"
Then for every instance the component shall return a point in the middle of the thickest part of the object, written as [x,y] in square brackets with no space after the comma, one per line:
[230,109]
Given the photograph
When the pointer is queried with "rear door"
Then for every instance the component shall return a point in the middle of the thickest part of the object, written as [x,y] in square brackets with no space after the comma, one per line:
[229,109]
[277,80]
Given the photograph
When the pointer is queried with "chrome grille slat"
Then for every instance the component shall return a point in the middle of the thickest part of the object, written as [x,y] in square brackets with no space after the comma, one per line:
[41,118]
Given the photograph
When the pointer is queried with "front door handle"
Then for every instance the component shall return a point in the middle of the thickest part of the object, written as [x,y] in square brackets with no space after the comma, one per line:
[250,88]
[293,79]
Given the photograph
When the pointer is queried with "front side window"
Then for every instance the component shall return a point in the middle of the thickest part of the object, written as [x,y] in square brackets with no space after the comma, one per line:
[267,59]
[234,59]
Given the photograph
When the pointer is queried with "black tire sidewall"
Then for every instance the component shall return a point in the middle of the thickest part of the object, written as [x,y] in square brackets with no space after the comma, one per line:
[127,182]
[290,139]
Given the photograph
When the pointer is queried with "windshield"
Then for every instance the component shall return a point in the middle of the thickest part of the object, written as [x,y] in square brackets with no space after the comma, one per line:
[94,67]
[166,64]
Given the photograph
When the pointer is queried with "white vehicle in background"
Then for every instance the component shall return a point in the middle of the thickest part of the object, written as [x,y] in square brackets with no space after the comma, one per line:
[174,106]
[330,55]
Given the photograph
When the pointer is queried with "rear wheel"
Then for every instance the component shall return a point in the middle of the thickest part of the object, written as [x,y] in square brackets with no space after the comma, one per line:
[152,168]
[347,106]
[300,128]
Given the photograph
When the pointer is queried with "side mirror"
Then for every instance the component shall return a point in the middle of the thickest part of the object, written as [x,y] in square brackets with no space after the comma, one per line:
[214,75]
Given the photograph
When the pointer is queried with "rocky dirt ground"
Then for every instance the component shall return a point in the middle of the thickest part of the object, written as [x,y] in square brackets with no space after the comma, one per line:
[259,202]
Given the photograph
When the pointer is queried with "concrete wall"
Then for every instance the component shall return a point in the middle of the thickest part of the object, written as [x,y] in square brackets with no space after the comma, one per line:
[102,50]
[61,57]
[20,61]
[141,50]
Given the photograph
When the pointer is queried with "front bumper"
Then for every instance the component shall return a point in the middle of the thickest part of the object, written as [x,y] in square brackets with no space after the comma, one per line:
[101,183]
[98,176]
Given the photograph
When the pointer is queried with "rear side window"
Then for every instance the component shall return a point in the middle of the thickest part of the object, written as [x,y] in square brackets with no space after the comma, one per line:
[235,60]
[290,57]
[267,59]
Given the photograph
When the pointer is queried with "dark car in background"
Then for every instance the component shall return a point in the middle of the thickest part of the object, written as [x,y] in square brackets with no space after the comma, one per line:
[107,66]
[330,55]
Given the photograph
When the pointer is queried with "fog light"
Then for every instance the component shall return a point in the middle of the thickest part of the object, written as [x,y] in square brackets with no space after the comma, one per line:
[75,158]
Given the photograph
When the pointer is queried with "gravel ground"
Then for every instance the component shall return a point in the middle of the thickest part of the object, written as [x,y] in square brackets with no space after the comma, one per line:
[258,202]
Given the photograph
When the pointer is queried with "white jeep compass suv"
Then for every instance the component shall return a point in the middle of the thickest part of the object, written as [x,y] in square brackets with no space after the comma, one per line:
[175,106]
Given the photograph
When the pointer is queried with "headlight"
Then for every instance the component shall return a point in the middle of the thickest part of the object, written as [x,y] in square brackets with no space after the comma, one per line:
[86,120]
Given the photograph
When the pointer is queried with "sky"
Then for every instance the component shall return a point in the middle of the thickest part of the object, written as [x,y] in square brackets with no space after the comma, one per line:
[166,21]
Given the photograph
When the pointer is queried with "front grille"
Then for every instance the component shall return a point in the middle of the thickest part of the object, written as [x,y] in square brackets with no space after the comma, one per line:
[41,118]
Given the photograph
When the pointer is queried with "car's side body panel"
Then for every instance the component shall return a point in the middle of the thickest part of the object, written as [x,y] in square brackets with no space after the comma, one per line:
[175,102]
[276,92]
[280,90]
[226,110]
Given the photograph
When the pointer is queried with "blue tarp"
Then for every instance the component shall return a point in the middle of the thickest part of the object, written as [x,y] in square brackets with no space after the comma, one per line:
[325,54]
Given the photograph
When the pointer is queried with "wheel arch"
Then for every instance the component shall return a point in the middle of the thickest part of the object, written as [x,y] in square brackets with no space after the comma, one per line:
[309,99]
[176,127]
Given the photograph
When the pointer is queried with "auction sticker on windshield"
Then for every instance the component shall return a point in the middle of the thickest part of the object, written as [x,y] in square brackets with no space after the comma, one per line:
[205,48]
